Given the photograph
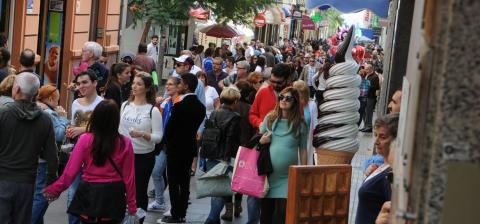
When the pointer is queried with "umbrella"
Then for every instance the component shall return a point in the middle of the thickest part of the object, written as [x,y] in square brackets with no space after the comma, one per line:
[220,31]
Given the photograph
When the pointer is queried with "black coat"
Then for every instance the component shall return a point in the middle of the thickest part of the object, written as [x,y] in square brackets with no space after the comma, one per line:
[181,131]
[229,123]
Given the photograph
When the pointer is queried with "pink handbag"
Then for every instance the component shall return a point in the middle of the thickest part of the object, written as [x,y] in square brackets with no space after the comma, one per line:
[245,178]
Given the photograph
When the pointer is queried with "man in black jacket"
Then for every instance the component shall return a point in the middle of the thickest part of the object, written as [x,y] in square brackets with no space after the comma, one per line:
[373,92]
[180,138]
[26,133]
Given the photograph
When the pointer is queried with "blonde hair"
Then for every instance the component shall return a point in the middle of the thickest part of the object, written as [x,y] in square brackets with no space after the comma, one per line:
[303,90]
[229,95]
[6,85]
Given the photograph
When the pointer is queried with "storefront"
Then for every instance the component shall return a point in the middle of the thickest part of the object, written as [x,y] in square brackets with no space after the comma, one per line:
[56,30]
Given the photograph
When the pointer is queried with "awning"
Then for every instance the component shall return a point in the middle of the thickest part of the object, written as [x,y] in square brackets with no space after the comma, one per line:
[379,7]
[307,23]
[199,13]
[367,33]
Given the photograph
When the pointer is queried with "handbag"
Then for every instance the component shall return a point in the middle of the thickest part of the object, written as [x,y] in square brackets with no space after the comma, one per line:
[94,202]
[215,182]
[264,162]
[245,178]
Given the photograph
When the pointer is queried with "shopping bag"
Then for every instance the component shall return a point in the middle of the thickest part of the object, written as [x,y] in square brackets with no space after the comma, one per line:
[130,219]
[215,182]
[245,178]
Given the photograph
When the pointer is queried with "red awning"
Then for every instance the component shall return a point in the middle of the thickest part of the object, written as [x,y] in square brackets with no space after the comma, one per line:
[199,13]
[307,23]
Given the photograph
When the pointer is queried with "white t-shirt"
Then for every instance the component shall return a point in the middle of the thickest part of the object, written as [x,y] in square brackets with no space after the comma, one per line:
[81,114]
[210,96]
[137,117]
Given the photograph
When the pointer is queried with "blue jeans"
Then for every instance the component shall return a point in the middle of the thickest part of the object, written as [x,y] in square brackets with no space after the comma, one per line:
[157,176]
[73,219]
[40,204]
[253,208]
[216,203]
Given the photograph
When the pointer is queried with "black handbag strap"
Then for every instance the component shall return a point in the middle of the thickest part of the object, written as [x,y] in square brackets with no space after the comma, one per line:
[115,166]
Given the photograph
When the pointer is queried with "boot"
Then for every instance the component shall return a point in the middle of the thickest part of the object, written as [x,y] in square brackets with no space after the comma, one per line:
[238,208]
[228,216]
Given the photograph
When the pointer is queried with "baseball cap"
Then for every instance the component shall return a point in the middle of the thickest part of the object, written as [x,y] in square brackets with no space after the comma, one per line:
[185,58]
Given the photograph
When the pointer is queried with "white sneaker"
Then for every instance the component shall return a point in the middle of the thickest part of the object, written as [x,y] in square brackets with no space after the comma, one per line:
[167,213]
[154,206]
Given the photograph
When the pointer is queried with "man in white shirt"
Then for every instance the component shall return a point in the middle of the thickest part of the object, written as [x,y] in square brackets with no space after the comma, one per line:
[152,48]
[82,108]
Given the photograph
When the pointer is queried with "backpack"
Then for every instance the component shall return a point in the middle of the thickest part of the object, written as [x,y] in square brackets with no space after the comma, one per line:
[211,137]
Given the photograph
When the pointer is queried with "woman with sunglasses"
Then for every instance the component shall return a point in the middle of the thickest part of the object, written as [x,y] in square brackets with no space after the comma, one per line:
[171,90]
[141,121]
[286,131]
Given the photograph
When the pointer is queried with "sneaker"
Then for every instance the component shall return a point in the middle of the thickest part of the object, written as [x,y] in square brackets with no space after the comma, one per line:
[155,206]
[170,219]
[151,194]
[167,213]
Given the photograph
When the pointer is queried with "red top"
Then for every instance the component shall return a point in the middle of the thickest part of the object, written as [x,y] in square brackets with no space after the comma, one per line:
[81,159]
[265,102]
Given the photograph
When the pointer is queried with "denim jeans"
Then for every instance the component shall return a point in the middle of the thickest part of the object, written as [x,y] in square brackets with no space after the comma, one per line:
[253,209]
[40,203]
[216,203]
[157,176]
[73,219]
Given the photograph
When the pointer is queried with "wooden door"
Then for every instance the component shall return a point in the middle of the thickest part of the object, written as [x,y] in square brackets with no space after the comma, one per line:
[318,194]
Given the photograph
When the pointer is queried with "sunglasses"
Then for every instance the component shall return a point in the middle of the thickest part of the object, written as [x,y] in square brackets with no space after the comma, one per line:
[179,65]
[277,82]
[286,98]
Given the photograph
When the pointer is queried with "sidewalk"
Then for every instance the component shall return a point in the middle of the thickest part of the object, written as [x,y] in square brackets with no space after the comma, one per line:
[199,208]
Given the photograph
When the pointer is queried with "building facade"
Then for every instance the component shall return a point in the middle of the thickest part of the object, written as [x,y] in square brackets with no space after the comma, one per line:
[56,30]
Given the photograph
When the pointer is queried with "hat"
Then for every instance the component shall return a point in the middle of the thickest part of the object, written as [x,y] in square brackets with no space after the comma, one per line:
[182,58]
[185,58]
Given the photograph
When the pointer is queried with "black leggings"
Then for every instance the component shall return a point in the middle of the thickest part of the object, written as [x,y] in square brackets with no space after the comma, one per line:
[273,210]
[143,169]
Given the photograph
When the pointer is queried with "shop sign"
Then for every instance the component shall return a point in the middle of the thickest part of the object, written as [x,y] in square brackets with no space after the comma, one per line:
[259,20]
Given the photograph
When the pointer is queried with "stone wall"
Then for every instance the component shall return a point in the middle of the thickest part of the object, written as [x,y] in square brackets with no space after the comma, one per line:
[448,125]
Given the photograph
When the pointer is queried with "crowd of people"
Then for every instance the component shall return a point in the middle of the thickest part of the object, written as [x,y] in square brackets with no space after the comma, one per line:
[122,131]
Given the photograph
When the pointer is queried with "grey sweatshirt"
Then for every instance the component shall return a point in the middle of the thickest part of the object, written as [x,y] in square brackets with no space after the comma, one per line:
[26,133]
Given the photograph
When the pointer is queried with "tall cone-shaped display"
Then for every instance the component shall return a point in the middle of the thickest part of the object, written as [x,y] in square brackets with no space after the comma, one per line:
[335,136]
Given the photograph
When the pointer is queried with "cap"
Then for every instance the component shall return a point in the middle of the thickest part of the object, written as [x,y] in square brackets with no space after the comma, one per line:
[185,59]
[182,58]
